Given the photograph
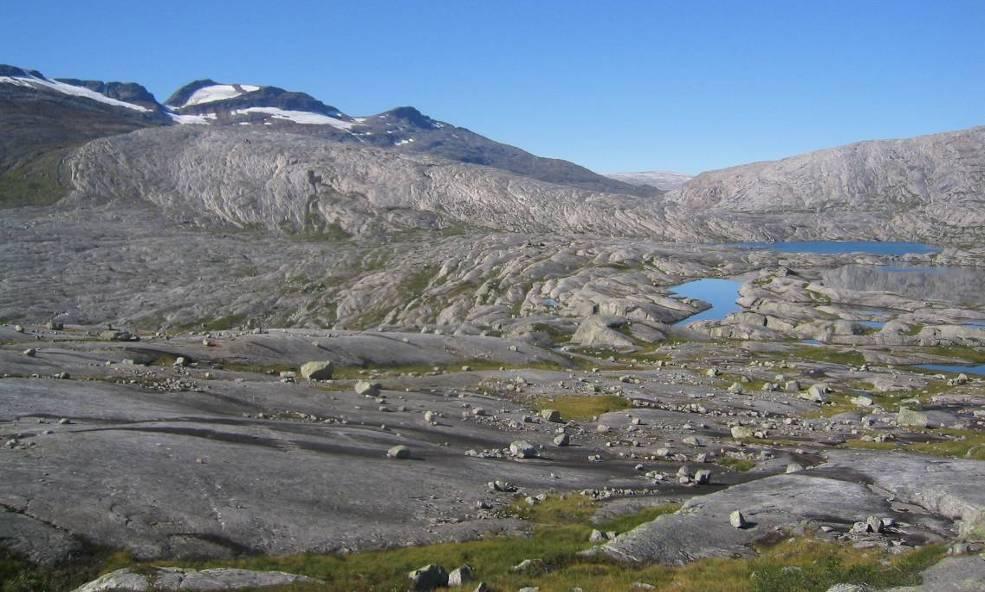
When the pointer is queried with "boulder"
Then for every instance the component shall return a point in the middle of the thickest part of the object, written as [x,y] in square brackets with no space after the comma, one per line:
[370,389]
[523,449]
[862,401]
[429,577]
[400,451]
[529,567]
[317,370]
[817,393]
[910,418]
[461,576]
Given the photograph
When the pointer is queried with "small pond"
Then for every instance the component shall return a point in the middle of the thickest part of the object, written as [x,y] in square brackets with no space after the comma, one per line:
[719,293]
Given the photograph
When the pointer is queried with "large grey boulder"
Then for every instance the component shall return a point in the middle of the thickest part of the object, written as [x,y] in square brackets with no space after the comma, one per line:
[317,370]
[910,418]
[523,449]
[370,389]
[429,577]
[460,576]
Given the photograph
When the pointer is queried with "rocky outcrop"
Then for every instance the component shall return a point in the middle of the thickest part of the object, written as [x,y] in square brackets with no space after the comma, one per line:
[846,490]
[173,579]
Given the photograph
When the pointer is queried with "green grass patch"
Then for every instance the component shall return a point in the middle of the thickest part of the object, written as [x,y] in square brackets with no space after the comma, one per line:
[19,575]
[749,385]
[737,464]
[269,369]
[963,353]
[889,401]
[224,323]
[954,443]
[945,443]
[828,354]
[582,407]
[795,565]
[630,521]
[558,529]
[35,183]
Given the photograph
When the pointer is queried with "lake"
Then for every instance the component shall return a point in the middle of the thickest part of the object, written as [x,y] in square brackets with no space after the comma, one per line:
[719,293]
[978,369]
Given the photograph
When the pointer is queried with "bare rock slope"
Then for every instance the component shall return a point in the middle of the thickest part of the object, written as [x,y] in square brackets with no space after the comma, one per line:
[296,183]
[931,187]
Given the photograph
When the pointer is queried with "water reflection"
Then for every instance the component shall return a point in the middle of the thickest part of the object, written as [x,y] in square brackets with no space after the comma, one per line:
[720,294]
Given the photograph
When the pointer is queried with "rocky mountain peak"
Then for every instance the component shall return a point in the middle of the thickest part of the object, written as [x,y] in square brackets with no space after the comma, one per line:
[411,116]
[8,70]
[130,92]
[181,96]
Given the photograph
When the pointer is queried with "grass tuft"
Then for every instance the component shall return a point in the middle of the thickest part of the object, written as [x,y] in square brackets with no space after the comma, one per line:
[583,407]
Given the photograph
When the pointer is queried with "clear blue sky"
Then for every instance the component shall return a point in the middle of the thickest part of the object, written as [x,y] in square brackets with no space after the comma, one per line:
[621,85]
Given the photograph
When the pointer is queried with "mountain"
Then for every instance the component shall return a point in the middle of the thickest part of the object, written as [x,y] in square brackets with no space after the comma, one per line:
[408,130]
[663,180]
[283,182]
[42,119]
[929,188]
[247,155]
[207,101]
[404,129]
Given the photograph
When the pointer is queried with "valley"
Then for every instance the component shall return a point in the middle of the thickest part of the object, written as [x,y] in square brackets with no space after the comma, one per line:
[248,341]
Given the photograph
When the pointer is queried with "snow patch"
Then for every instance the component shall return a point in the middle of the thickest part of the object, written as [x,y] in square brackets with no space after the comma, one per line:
[219,92]
[402,142]
[302,117]
[69,89]
[192,119]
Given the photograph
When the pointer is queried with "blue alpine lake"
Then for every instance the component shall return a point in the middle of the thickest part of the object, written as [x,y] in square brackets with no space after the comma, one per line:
[978,369]
[720,294]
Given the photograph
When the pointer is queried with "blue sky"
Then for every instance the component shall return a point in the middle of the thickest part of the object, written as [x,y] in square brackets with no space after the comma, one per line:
[621,85]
